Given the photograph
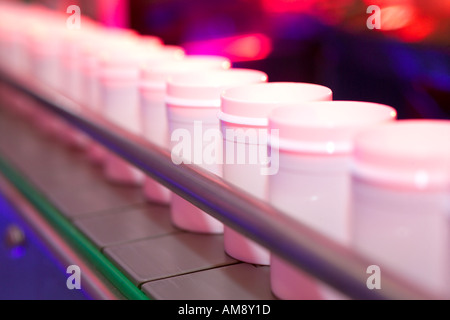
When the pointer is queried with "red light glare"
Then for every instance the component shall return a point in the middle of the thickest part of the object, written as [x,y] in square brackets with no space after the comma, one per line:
[406,22]
[419,30]
[397,17]
[388,3]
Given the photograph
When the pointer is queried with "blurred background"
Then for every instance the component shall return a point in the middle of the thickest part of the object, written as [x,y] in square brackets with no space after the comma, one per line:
[405,63]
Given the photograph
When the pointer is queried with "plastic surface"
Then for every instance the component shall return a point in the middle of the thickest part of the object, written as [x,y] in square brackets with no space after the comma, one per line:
[209,84]
[400,203]
[159,74]
[408,154]
[192,101]
[258,100]
[326,127]
[315,142]
[244,119]
[155,123]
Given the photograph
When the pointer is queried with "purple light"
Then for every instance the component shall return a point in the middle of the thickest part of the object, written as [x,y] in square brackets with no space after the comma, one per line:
[17,252]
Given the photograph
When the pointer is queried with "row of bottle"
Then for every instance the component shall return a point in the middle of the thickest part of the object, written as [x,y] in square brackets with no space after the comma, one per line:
[348,169]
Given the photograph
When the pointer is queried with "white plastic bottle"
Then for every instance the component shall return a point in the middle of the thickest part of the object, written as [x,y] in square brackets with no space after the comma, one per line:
[315,144]
[401,201]
[244,120]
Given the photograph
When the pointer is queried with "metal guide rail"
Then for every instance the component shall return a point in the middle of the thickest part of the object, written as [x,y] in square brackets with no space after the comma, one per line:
[322,258]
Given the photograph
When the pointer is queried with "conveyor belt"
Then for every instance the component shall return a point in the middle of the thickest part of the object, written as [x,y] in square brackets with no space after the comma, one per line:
[135,236]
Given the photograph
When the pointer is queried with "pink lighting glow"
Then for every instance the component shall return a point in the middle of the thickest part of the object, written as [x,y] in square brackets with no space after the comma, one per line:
[113,13]
[248,47]
[288,5]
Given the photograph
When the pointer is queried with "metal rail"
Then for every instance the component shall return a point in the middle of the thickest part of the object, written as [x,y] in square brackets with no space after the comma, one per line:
[310,251]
